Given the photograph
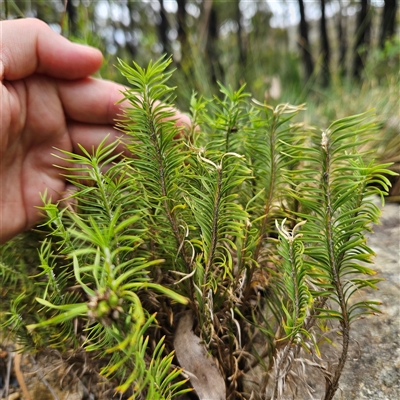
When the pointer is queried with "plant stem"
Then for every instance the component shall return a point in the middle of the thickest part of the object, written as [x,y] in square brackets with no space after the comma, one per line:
[269,190]
[214,229]
[334,262]
[167,207]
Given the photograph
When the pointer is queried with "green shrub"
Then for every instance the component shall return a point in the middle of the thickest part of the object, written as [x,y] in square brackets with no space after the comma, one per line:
[250,223]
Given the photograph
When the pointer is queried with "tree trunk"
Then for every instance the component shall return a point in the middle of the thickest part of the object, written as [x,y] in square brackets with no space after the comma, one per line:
[130,44]
[388,21]
[163,28]
[216,70]
[342,39]
[304,43]
[362,38]
[202,33]
[325,51]
[72,17]
[182,34]
[241,47]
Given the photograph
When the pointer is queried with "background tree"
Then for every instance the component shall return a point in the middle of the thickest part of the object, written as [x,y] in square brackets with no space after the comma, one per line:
[363,32]
[131,45]
[163,27]
[342,39]
[216,70]
[182,28]
[325,51]
[388,21]
[72,16]
[305,43]
[240,43]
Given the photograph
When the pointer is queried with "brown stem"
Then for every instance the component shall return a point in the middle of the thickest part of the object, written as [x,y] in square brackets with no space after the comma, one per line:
[19,375]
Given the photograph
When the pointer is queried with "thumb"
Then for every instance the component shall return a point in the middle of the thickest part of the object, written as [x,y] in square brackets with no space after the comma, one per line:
[30,46]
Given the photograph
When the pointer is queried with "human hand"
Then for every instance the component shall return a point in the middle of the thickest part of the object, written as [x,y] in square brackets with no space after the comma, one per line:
[48,101]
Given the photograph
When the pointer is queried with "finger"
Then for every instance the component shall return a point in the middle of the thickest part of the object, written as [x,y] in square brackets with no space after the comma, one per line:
[68,199]
[29,46]
[182,121]
[90,136]
[91,100]
[96,101]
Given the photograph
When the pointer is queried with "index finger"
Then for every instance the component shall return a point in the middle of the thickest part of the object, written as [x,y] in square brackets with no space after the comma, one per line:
[98,101]
[91,100]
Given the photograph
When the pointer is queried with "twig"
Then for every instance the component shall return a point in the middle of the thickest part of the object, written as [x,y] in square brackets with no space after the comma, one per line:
[8,375]
[19,375]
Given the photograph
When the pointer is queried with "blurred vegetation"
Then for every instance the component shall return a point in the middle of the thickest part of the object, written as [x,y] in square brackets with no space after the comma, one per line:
[340,58]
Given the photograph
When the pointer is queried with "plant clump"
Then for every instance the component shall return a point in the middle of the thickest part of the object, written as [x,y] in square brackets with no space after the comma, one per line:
[219,255]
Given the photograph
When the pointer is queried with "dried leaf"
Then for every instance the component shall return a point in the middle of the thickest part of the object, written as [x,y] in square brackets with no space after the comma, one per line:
[200,367]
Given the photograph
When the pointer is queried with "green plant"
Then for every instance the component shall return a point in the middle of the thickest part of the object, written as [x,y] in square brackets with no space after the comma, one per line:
[378,91]
[252,224]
